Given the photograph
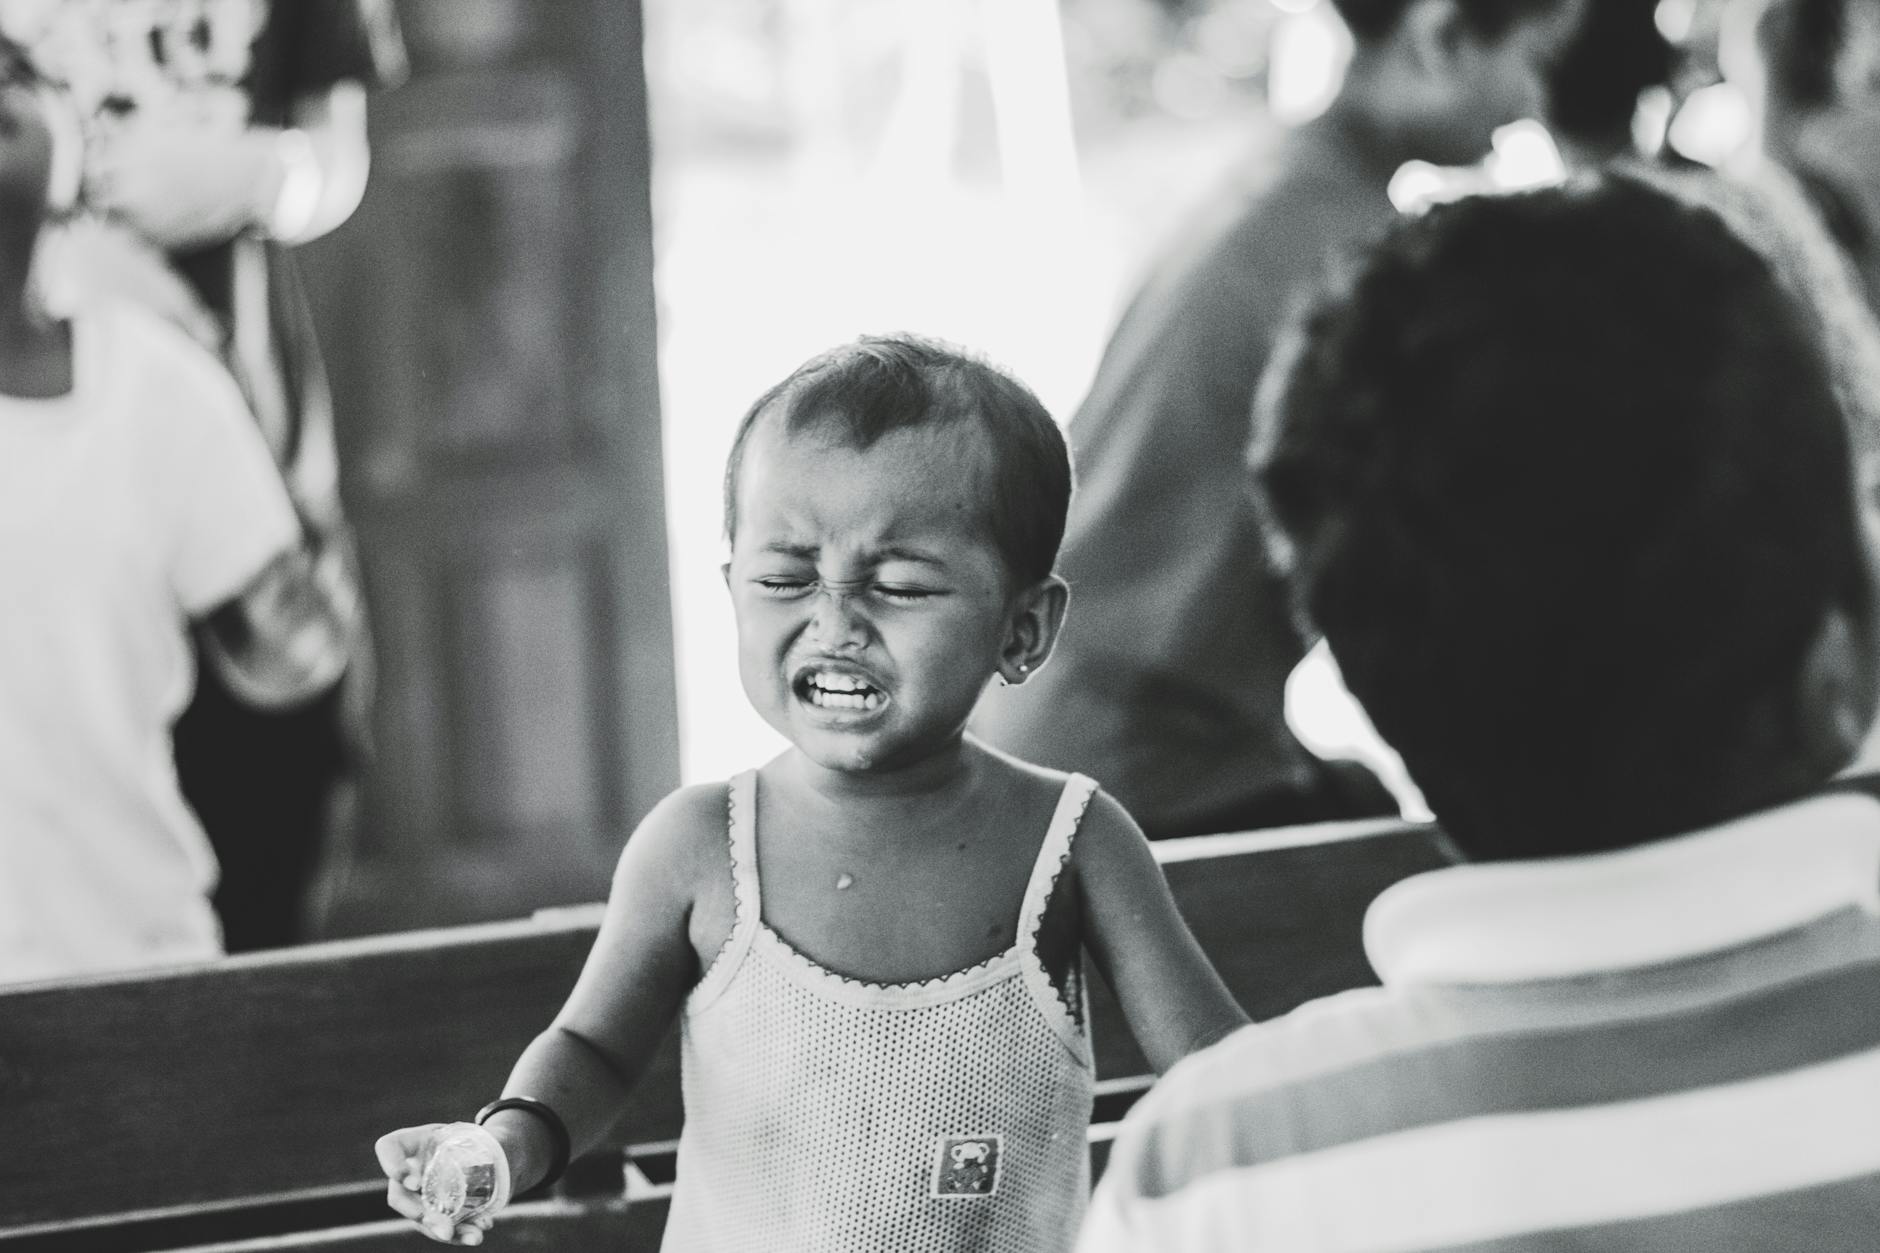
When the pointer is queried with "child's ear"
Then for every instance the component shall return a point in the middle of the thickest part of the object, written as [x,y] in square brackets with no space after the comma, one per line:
[1037,616]
[724,572]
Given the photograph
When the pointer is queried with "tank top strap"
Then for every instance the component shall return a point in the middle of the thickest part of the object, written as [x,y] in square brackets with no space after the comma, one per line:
[747,898]
[1053,856]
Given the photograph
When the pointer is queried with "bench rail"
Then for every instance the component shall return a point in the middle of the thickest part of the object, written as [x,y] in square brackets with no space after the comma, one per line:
[168,1109]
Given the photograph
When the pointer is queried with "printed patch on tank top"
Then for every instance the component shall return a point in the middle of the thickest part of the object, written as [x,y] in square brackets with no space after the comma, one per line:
[967,1165]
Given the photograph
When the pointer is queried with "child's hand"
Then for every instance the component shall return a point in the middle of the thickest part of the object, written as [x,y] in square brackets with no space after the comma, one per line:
[402,1156]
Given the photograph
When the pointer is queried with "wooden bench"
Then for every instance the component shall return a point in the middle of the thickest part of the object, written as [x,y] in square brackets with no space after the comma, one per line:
[232,1107]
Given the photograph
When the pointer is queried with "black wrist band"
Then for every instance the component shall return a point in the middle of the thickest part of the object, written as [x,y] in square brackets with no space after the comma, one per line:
[557,1131]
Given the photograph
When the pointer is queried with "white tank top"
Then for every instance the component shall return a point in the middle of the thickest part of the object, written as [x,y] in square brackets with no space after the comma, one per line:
[824,1113]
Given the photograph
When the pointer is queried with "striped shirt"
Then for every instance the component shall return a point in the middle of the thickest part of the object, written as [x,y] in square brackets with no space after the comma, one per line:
[1673,1047]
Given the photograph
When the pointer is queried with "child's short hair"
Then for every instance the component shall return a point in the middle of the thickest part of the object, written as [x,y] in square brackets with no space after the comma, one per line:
[1564,481]
[863,390]
[1371,20]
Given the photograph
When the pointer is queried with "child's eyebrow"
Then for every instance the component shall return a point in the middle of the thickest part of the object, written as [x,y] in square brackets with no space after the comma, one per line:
[893,552]
[916,555]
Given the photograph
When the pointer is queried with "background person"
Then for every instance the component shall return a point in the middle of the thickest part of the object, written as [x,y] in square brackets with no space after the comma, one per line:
[1169,684]
[1565,480]
[216,135]
[136,498]
[1812,70]
[1595,83]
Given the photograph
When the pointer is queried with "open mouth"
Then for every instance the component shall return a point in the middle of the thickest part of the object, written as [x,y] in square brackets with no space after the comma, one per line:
[829,689]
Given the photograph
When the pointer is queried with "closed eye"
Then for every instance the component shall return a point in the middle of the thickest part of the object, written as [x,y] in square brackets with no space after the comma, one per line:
[782,586]
[905,595]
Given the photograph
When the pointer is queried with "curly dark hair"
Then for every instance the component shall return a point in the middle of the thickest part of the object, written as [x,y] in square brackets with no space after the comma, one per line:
[1564,481]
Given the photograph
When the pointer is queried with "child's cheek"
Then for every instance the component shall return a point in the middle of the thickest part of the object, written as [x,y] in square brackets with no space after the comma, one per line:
[757,669]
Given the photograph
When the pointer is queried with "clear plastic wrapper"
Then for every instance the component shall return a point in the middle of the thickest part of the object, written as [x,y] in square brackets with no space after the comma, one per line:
[466,1174]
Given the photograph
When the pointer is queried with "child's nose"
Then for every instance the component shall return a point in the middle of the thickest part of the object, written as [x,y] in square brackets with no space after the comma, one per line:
[839,622]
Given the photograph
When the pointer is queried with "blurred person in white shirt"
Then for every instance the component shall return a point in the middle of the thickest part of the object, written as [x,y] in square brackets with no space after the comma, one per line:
[137,502]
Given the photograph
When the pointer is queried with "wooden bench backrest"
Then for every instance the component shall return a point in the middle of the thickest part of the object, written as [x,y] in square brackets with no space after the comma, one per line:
[264,1079]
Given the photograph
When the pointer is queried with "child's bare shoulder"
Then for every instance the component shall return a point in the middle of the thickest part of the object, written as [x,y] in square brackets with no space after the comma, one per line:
[1002,770]
[685,837]
[1107,830]
[1032,786]
[676,867]
[1024,793]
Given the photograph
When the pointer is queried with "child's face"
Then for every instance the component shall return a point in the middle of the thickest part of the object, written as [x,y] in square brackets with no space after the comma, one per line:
[872,606]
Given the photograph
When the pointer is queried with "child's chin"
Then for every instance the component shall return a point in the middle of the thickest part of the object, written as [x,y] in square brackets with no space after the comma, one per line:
[848,748]
[842,758]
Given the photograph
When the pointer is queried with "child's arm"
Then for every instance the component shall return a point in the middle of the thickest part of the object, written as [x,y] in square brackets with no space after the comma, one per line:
[1170,993]
[641,967]
[637,975]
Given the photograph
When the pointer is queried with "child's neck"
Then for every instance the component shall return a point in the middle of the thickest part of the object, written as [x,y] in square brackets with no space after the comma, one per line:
[947,768]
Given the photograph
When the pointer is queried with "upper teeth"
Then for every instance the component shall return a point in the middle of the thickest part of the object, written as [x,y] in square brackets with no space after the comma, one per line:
[843,691]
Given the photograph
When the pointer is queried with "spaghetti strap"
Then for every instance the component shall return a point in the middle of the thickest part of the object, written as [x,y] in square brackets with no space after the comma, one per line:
[1053,855]
[747,897]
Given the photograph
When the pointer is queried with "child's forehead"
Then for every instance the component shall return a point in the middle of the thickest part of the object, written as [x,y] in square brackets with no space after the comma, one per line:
[930,480]
[952,457]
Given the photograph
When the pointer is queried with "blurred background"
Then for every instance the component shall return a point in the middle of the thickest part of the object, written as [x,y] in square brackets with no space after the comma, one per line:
[595,231]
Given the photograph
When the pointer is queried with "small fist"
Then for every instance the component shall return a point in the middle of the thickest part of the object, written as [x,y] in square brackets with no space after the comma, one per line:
[402,1156]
